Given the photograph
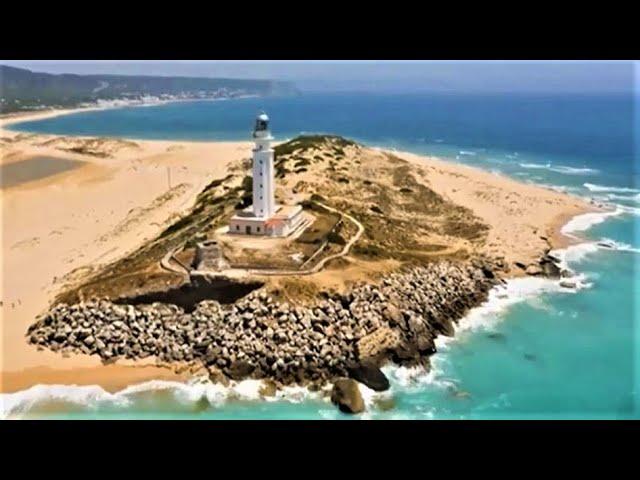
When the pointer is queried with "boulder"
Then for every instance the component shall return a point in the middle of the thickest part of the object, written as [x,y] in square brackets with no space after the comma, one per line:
[487,272]
[377,342]
[346,395]
[268,388]
[566,284]
[550,270]
[393,315]
[216,375]
[368,373]
[533,270]
[240,370]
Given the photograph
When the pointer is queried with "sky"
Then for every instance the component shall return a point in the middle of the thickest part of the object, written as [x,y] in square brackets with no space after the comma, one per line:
[378,76]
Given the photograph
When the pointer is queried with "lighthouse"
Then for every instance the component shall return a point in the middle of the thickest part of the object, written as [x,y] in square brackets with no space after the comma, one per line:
[264,216]
[264,204]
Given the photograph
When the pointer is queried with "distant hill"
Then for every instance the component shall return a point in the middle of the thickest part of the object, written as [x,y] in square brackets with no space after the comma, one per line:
[22,89]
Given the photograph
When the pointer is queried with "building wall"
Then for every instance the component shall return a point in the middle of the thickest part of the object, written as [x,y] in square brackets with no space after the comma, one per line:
[256,227]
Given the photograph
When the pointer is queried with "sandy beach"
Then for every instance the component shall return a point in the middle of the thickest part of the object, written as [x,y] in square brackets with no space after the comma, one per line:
[59,228]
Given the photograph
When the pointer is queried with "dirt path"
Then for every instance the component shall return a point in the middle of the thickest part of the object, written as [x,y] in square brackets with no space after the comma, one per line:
[317,267]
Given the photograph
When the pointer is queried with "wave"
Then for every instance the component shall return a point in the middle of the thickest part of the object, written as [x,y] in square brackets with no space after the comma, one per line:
[609,244]
[560,168]
[606,188]
[175,396]
[624,198]
[469,153]
[585,221]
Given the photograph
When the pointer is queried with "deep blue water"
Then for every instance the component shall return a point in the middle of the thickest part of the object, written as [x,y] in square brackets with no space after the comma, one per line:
[536,351]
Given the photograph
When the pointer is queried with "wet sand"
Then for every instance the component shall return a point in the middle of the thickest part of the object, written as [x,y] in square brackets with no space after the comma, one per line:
[35,168]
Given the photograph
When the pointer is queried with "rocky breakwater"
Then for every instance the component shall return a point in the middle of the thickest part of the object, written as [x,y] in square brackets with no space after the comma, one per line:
[344,336]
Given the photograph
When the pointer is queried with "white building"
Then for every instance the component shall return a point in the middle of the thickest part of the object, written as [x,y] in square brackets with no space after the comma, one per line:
[264,217]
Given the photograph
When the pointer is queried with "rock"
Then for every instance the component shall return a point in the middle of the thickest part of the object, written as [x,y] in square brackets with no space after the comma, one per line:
[533,270]
[346,395]
[377,342]
[404,353]
[487,272]
[385,403]
[566,273]
[370,375]
[496,336]
[567,284]
[550,270]
[90,340]
[393,315]
[461,394]
[240,370]
[216,375]
[268,388]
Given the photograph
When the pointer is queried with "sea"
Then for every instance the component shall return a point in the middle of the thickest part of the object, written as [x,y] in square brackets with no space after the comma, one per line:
[534,350]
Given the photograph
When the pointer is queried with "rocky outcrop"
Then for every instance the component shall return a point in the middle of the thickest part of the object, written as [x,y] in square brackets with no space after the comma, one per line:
[257,337]
[368,373]
[547,266]
[346,395]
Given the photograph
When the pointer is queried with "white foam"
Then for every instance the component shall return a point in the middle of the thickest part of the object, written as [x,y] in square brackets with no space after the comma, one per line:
[90,397]
[606,188]
[469,153]
[560,168]
[625,198]
[585,221]
[619,246]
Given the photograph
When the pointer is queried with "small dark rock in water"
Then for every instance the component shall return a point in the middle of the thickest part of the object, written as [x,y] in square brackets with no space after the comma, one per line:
[385,404]
[550,269]
[606,244]
[461,394]
[496,336]
[565,284]
[346,395]
[370,375]
[202,404]
[530,356]
[566,273]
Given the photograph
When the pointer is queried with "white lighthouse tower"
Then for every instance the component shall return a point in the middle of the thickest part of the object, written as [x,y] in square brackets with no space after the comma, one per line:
[264,203]
[264,217]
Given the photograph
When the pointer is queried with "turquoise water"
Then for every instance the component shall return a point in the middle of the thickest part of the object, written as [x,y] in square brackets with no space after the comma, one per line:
[534,351]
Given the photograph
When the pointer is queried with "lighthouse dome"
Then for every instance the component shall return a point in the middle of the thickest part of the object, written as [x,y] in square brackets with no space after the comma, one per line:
[261,130]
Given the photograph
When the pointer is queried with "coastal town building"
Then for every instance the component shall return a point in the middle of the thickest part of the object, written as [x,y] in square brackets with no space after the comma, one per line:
[264,216]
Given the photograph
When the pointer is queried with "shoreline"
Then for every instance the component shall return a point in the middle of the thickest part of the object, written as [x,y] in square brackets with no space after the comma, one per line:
[120,374]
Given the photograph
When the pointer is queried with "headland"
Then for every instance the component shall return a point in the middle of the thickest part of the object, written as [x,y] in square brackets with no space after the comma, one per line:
[406,245]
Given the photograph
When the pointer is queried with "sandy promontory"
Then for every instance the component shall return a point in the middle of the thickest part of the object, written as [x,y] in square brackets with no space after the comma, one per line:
[60,230]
